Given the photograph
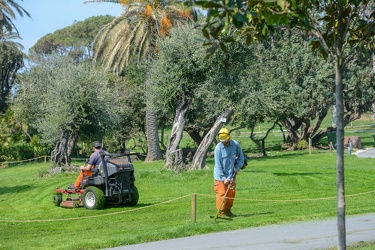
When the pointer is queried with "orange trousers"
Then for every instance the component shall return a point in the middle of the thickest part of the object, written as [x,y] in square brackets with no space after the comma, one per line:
[220,190]
[83,173]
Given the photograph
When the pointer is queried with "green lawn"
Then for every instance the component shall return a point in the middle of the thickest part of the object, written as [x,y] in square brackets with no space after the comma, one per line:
[284,187]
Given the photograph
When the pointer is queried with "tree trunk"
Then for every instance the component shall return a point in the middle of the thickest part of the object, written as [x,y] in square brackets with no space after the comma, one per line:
[305,125]
[8,73]
[162,129]
[317,137]
[282,131]
[334,117]
[261,141]
[194,134]
[70,145]
[153,148]
[199,160]
[174,156]
[318,121]
[340,162]
[59,154]
[292,129]
[340,132]
[373,105]
[152,134]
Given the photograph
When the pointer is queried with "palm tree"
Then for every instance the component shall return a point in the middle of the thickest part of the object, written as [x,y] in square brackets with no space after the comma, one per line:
[132,36]
[7,37]
[11,61]
[7,14]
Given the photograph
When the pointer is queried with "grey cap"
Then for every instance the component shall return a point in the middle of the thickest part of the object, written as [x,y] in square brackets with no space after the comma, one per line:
[96,144]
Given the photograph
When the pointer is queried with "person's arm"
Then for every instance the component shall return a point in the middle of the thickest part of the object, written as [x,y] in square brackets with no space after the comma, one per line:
[86,167]
[240,157]
[219,174]
[90,164]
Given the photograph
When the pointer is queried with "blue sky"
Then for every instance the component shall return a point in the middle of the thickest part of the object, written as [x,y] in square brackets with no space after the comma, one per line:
[48,16]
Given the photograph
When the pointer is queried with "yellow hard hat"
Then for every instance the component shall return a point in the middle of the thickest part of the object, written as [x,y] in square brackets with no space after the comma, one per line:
[224,135]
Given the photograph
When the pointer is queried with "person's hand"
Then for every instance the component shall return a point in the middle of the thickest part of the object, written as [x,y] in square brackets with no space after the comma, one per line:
[226,181]
[244,164]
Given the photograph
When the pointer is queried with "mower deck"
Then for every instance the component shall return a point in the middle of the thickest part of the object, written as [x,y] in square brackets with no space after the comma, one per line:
[73,199]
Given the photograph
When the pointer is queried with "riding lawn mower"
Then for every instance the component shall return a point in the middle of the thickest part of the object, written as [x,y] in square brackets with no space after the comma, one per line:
[113,183]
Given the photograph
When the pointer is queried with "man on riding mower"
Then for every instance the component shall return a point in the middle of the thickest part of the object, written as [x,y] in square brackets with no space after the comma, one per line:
[92,164]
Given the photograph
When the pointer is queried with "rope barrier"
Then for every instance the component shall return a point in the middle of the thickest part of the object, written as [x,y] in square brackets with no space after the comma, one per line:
[95,216]
[175,199]
[291,200]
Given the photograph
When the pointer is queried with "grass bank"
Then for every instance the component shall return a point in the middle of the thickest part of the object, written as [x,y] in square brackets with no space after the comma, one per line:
[284,187]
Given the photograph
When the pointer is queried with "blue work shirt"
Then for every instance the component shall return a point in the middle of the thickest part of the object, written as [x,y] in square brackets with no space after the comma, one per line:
[95,159]
[225,158]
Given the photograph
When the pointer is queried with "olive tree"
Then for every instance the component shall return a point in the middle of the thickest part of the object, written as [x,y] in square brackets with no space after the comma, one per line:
[297,90]
[177,72]
[63,100]
[181,87]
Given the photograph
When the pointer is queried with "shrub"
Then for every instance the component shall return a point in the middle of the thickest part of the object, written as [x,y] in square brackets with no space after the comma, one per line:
[17,151]
[302,144]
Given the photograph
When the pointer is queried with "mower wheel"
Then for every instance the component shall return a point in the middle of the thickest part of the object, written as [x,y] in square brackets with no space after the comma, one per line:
[93,198]
[57,199]
[135,197]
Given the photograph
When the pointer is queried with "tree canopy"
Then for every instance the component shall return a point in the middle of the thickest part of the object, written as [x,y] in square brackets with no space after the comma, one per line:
[63,100]
[75,40]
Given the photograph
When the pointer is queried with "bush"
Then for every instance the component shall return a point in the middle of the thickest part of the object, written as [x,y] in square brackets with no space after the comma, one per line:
[17,151]
[301,145]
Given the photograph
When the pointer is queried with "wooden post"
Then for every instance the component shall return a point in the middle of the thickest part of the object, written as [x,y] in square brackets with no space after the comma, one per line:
[194,207]
[310,146]
[45,159]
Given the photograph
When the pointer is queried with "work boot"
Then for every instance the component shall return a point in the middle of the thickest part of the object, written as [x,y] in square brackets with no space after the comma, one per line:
[221,213]
[71,186]
[230,214]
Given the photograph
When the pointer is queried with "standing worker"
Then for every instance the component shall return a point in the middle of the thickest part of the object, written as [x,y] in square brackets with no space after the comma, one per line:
[229,159]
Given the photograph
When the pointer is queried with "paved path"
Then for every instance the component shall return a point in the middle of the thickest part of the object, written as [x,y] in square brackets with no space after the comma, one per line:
[294,236]
[298,236]
[366,153]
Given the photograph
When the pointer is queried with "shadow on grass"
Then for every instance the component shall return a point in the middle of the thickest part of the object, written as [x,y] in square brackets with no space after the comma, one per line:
[15,189]
[223,219]
[109,205]
[301,174]
[252,171]
[254,214]
[286,154]
[281,156]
